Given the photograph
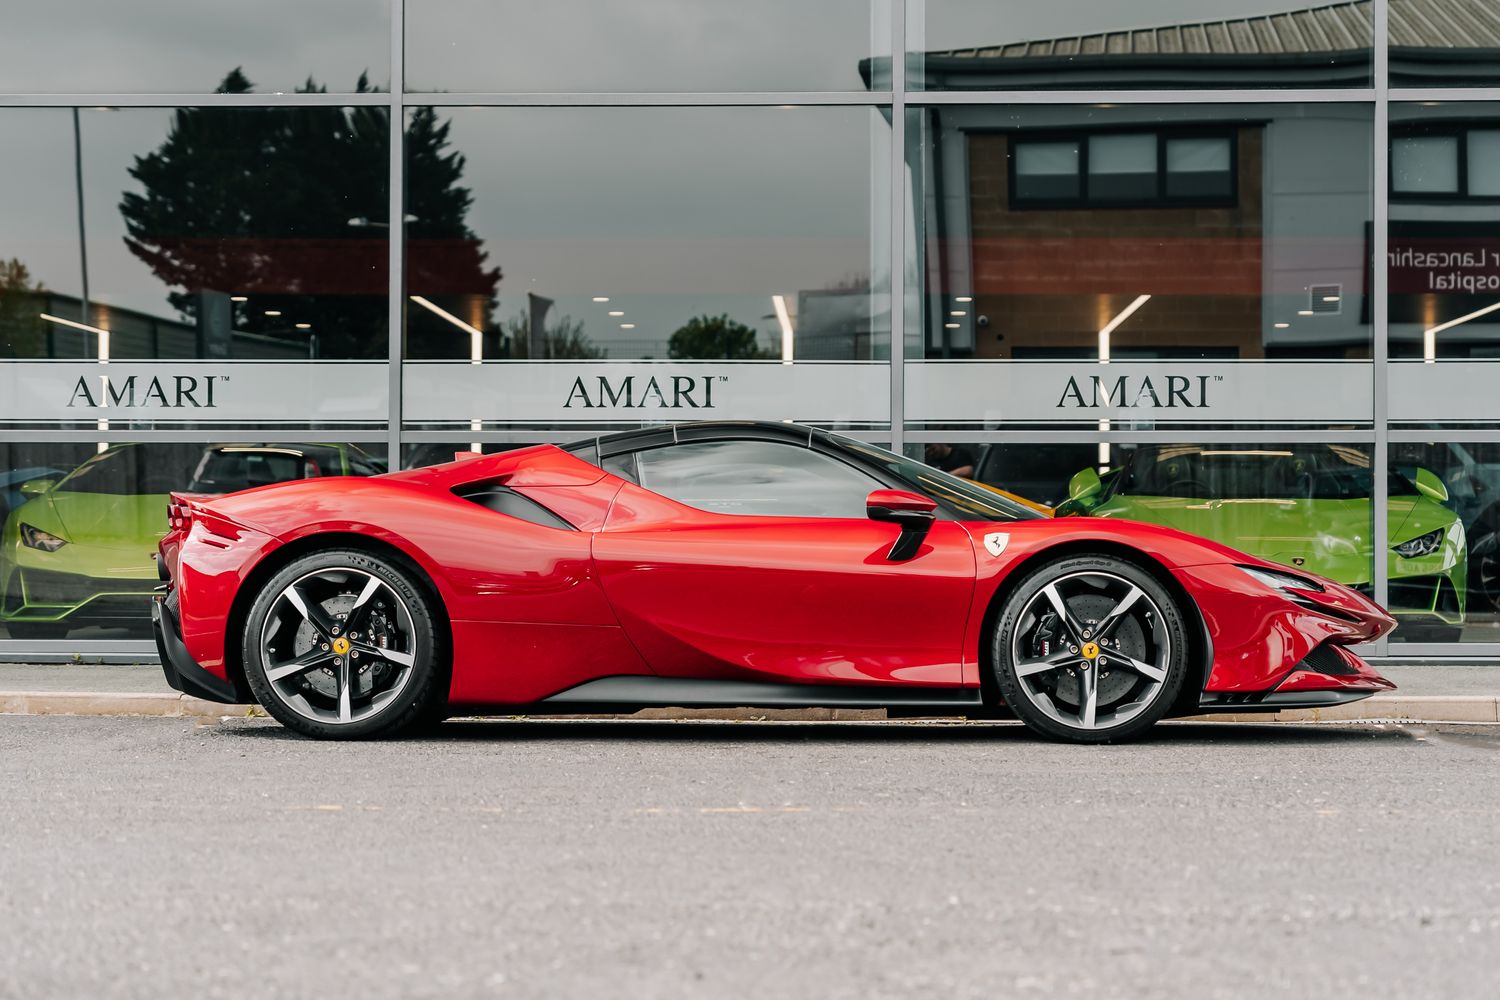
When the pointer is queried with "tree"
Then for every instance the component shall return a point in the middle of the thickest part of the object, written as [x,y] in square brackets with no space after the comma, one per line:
[719,336]
[288,207]
[22,332]
[565,339]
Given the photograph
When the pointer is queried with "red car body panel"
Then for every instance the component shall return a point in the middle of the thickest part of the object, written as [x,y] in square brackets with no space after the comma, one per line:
[786,599]
[648,586]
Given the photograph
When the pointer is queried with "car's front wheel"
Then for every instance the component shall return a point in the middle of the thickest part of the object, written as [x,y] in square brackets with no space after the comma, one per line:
[344,644]
[1090,649]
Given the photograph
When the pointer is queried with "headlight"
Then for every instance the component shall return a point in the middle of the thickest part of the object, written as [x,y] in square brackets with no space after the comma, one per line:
[1283,581]
[1422,545]
[36,538]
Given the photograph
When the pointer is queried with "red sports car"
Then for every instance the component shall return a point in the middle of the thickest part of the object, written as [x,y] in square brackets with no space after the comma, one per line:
[727,564]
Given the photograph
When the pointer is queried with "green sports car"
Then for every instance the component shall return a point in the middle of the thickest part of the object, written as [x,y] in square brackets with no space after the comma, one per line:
[1307,506]
[80,550]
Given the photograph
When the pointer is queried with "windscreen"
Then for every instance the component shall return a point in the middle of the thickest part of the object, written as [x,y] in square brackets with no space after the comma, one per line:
[965,498]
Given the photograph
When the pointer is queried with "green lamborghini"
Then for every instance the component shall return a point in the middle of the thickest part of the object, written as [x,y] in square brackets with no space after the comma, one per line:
[79,551]
[1307,506]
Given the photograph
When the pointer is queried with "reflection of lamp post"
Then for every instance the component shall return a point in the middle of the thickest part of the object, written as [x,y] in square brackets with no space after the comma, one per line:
[361,222]
[83,246]
[476,344]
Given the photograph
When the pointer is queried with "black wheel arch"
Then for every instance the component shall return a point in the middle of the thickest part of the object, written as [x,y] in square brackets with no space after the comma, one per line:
[268,567]
[1200,652]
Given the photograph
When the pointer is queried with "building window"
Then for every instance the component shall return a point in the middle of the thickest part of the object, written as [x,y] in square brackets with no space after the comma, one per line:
[1458,163]
[1122,169]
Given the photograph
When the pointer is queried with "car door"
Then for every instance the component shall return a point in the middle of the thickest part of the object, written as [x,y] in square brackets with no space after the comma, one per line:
[754,560]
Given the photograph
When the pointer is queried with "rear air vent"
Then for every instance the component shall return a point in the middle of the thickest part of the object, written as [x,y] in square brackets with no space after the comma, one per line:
[507,501]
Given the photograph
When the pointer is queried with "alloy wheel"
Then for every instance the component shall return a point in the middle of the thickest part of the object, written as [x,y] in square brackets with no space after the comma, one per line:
[1091,650]
[338,645]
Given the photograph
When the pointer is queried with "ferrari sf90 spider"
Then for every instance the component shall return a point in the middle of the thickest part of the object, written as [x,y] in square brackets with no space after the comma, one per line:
[728,564]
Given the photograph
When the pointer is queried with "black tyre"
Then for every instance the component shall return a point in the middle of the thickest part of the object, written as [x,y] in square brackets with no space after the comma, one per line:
[1484,564]
[343,644]
[1090,649]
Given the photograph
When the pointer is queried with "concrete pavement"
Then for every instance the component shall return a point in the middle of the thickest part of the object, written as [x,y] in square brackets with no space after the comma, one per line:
[162,858]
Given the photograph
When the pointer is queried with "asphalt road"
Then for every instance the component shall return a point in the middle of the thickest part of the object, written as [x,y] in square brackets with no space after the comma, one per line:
[157,858]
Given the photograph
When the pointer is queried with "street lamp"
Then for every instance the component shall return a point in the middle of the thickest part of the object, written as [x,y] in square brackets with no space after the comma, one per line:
[362,222]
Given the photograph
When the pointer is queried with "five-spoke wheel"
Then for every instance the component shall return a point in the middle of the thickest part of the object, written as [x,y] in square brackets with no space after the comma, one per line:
[1090,649]
[342,644]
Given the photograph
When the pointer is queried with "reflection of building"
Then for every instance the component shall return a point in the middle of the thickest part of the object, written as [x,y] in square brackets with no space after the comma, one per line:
[1444,250]
[139,335]
[1244,224]
[1431,43]
[1320,47]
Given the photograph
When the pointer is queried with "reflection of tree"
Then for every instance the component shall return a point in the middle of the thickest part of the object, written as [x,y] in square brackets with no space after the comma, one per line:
[288,207]
[22,332]
[444,261]
[565,339]
[715,337]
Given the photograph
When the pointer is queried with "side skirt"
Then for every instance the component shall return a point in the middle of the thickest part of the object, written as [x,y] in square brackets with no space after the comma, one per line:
[616,693]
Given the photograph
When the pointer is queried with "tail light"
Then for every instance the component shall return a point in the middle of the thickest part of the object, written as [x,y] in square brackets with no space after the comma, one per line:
[179,513]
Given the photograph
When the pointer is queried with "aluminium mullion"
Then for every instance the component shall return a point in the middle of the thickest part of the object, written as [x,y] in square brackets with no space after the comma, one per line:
[1002,97]
[653,99]
[396,247]
[1443,95]
[1458,435]
[1379,340]
[1091,435]
[193,435]
[897,230]
[1441,654]
[131,651]
[271,100]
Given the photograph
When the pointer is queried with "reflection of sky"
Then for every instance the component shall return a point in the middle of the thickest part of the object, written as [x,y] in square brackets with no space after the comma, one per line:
[38,202]
[173,47]
[642,45]
[670,212]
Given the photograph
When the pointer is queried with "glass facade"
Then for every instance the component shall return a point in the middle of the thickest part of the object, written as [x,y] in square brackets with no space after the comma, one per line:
[1227,265]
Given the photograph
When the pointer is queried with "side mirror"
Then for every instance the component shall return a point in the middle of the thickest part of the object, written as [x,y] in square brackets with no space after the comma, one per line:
[36,487]
[1427,482]
[1084,485]
[912,512]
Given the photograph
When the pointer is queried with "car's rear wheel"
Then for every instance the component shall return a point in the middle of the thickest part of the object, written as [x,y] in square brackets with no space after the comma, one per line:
[344,644]
[1090,649]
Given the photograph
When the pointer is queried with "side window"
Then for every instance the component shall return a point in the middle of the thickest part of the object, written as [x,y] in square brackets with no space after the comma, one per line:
[755,477]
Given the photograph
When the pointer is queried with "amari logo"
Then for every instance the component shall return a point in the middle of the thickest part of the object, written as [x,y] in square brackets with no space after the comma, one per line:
[678,392]
[169,392]
[1127,393]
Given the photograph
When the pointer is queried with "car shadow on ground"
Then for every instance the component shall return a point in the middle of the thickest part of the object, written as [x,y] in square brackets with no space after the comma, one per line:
[924,731]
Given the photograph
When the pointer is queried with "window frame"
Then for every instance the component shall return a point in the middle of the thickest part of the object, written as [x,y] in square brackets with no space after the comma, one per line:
[1456,128]
[1229,133]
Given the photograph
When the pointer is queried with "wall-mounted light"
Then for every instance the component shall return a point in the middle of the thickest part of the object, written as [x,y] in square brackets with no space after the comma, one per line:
[1109,328]
[1429,336]
[476,335]
[788,336]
